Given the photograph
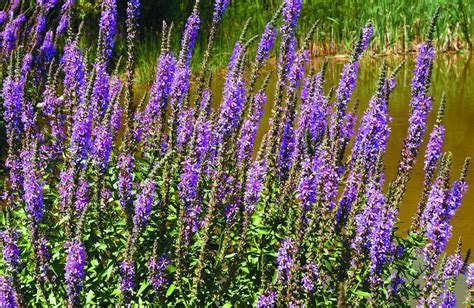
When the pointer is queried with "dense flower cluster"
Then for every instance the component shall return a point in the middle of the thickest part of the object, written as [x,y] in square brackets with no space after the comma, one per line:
[301,218]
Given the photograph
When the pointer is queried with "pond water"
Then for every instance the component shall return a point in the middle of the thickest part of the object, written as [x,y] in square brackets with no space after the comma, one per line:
[453,74]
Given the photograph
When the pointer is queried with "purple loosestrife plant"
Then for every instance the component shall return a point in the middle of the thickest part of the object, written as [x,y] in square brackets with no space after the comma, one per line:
[107,26]
[470,276]
[7,293]
[180,171]
[127,282]
[250,127]
[420,105]
[266,300]
[73,82]
[11,253]
[295,75]
[74,270]
[144,205]
[157,267]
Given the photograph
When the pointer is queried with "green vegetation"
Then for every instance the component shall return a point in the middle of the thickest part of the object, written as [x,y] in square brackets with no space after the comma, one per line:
[399,26]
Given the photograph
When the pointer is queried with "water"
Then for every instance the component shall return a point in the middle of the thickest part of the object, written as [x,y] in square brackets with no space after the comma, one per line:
[452,74]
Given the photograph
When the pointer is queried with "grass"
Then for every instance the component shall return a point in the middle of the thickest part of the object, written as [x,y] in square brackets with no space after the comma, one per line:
[399,26]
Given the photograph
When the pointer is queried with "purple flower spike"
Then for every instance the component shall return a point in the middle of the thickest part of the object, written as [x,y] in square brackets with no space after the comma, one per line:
[285,258]
[470,276]
[127,269]
[157,273]
[7,293]
[250,127]
[11,253]
[266,300]
[189,37]
[254,186]
[107,26]
[144,204]
[74,269]
[266,43]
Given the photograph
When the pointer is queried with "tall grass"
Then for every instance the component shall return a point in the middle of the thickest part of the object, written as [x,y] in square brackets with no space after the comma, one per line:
[399,26]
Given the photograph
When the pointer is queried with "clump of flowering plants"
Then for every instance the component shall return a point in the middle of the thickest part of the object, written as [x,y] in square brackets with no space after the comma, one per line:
[163,202]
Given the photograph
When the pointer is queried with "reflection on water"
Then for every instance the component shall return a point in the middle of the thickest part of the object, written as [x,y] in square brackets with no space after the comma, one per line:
[453,74]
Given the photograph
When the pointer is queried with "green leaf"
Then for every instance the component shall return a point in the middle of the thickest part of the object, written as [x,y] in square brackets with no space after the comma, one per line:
[170,290]
[52,299]
[90,297]
[143,286]
[362,293]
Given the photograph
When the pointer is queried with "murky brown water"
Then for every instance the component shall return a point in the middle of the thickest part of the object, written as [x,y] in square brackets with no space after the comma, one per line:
[453,74]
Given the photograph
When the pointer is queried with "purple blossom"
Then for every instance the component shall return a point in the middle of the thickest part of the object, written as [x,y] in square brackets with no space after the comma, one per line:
[313,115]
[189,37]
[26,65]
[33,186]
[10,34]
[13,97]
[62,25]
[309,276]
[82,196]
[219,7]
[424,59]
[127,269]
[266,300]
[74,269]
[203,139]
[73,82]
[187,193]
[307,185]
[185,128]
[41,253]
[81,133]
[370,141]
[470,276]
[347,84]
[285,258]
[233,100]
[369,216]
[434,220]
[291,12]
[66,188]
[107,26]
[265,44]
[159,93]
[39,26]
[296,73]
[144,204]
[7,292]
[433,150]
[11,253]
[395,282]
[47,49]
[102,145]
[254,185]
[454,198]
[3,16]
[188,183]
[124,184]
[100,91]
[420,109]
[453,267]
[381,244]
[157,273]
[133,10]
[179,86]
[250,127]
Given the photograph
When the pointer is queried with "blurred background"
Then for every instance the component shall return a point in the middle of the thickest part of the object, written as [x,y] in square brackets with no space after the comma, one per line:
[400,25]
